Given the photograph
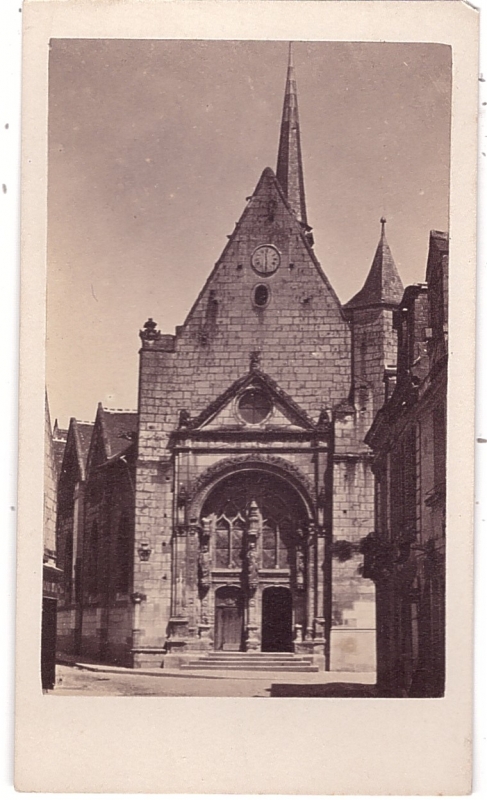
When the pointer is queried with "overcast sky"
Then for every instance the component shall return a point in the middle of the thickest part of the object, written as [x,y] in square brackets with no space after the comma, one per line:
[154,146]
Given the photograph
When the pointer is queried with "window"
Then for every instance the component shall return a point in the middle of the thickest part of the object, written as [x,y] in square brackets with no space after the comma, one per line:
[275,543]
[261,295]
[254,406]
[229,542]
[282,519]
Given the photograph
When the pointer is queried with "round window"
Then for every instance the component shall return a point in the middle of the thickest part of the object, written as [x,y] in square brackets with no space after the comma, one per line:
[261,295]
[254,406]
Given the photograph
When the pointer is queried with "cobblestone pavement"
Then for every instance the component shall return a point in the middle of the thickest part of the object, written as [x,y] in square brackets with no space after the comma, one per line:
[71,680]
[75,681]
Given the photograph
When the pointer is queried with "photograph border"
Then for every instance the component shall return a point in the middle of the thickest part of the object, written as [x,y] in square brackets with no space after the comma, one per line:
[350,745]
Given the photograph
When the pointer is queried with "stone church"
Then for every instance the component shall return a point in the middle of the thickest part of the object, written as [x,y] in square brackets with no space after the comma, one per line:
[227,513]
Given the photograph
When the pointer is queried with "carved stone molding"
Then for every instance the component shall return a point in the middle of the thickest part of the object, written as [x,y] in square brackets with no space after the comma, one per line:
[274,464]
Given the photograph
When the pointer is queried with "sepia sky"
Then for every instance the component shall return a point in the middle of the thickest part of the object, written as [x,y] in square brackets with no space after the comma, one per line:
[154,146]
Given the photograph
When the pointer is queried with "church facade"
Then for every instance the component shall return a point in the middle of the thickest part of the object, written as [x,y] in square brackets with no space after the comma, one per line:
[228,512]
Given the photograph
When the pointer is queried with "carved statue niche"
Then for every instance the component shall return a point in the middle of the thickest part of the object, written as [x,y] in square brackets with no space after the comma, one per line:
[252,566]
[323,420]
[204,557]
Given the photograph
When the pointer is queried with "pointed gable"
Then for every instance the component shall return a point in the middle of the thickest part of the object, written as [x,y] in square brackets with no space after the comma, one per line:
[300,330]
[267,219]
[383,286]
[281,411]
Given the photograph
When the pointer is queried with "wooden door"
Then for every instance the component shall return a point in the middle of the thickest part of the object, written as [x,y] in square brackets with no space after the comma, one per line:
[228,619]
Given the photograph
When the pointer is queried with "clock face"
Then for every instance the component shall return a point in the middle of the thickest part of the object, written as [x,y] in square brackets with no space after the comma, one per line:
[265,259]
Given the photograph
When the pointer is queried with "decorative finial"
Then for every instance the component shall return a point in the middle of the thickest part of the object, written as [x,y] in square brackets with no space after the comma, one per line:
[383,223]
[184,418]
[150,332]
[290,64]
[254,360]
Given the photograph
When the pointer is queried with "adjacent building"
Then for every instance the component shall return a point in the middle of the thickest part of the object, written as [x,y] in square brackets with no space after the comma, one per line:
[405,556]
[54,442]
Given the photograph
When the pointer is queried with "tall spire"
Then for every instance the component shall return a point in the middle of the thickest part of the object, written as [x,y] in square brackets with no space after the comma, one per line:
[289,170]
[383,286]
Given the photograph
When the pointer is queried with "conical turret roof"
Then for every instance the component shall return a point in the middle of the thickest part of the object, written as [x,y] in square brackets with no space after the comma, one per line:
[383,285]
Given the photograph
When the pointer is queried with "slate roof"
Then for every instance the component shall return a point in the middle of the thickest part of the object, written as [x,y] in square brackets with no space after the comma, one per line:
[383,286]
[440,239]
[120,427]
[84,431]
[289,171]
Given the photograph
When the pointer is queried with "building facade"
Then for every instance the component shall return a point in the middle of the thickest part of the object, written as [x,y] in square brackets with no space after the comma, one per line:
[52,576]
[228,512]
[406,554]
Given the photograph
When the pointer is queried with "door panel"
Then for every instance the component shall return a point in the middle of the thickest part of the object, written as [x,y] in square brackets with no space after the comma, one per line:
[228,619]
[277,620]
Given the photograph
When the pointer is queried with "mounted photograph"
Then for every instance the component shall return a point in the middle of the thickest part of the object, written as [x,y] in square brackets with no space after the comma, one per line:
[246,368]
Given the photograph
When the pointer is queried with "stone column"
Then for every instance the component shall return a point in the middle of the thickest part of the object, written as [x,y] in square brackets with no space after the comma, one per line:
[137,598]
[319,621]
[204,581]
[252,574]
[310,586]
[179,621]
[192,558]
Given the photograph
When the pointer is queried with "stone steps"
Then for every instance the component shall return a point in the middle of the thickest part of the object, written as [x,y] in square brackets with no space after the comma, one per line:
[252,662]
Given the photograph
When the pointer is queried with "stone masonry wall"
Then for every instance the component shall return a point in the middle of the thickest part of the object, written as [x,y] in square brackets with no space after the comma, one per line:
[302,336]
[107,613]
[375,348]
[304,343]
[50,490]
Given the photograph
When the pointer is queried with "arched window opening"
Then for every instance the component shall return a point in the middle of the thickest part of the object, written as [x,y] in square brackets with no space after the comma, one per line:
[281,511]
[229,534]
[222,543]
[261,295]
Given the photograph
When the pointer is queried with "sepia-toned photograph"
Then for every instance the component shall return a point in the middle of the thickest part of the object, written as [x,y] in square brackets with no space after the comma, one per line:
[246,368]
[246,403]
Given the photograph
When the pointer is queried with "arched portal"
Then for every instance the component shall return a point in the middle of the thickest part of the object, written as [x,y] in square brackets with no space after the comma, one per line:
[277,620]
[253,534]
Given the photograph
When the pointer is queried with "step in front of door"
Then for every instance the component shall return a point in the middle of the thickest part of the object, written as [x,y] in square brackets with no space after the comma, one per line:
[258,662]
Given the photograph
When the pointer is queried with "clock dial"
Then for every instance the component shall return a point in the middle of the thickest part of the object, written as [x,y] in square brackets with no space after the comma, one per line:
[265,259]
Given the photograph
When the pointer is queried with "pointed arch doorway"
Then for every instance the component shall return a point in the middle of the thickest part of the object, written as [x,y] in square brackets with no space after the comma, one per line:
[277,620]
[254,524]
